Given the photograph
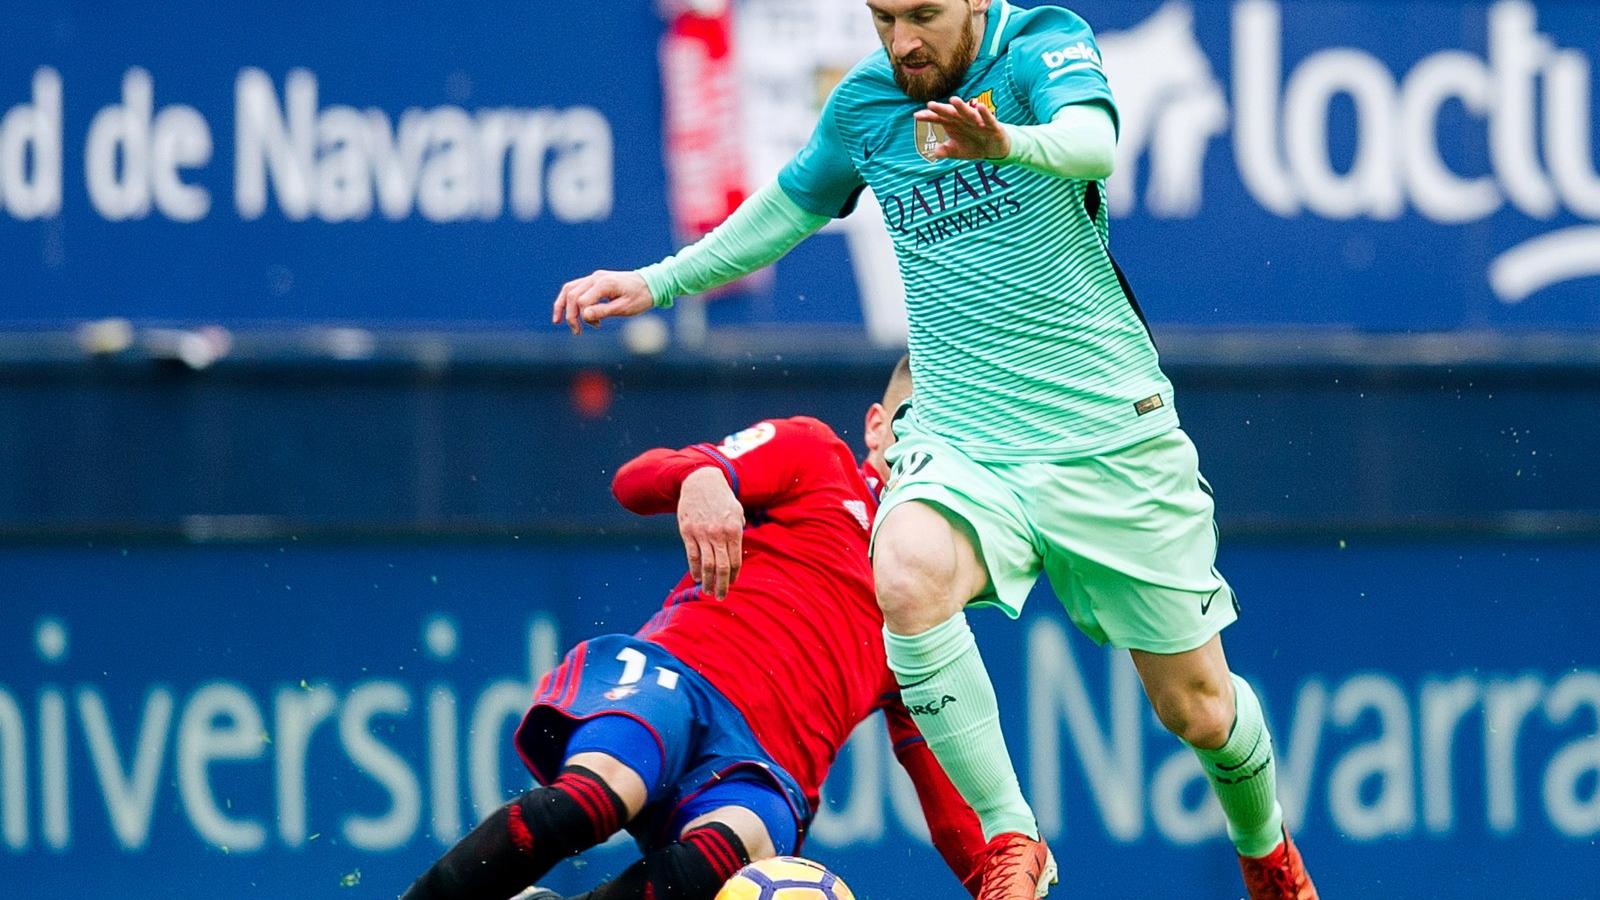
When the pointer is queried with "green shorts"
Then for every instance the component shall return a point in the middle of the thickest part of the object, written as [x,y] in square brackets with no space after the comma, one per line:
[1127,538]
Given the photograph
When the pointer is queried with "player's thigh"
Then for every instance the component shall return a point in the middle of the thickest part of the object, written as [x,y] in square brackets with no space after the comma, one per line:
[948,532]
[754,810]
[611,675]
[1131,544]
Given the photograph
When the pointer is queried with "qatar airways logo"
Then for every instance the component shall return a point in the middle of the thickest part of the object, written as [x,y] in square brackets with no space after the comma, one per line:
[953,203]
[1531,96]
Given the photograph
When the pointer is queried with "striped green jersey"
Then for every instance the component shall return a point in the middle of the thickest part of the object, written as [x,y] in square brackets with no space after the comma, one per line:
[1025,341]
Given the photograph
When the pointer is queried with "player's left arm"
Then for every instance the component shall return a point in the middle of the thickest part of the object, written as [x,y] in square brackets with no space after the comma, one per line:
[953,825]
[1079,142]
[651,483]
[710,516]
[1057,73]
[763,465]
[710,487]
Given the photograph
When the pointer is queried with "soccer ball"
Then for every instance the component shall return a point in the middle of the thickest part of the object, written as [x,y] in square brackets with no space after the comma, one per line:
[785,878]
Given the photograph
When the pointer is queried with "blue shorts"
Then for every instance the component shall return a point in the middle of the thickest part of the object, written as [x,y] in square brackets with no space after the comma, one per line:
[706,745]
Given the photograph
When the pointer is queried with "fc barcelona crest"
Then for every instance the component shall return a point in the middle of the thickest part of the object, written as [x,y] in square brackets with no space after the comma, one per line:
[931,134]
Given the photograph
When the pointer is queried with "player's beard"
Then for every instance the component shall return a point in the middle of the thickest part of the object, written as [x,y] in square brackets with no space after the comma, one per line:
[942,77]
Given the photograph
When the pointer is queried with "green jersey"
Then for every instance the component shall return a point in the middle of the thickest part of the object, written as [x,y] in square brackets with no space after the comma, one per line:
[1026,343]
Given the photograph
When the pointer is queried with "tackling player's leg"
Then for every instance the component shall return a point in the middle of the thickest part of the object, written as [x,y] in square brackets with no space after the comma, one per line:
[524,839]
[927,567]
[695,867]
[686,775]
[609,766]
[743,821]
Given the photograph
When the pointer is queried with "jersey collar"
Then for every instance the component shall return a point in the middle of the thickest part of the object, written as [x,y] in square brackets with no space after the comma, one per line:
[994,30]
[870,476]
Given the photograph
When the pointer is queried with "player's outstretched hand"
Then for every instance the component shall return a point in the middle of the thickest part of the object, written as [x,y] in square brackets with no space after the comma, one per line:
[600,295]
[971,130]
[711,521]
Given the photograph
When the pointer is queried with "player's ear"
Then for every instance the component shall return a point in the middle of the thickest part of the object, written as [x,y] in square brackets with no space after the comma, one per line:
[876,416]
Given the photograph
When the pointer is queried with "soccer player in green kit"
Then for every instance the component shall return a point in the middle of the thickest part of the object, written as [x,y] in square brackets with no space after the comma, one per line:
[1042,435]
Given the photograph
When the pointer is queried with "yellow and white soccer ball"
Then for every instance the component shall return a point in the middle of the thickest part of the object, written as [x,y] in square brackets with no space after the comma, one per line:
[785,878]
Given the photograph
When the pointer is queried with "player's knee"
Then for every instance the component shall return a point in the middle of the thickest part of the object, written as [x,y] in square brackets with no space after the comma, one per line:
[1199,717]
[917,570]
[616,775]
[914,593]
[574,812]
[747,825]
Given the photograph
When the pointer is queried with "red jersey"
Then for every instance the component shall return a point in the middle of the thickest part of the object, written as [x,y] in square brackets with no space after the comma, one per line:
[797,645]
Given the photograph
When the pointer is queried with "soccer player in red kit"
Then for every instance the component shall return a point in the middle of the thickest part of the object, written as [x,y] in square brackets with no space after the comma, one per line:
[707,735]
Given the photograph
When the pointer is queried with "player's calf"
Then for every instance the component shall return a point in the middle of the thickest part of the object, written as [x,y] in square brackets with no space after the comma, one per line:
[1191,692]
[694,868]
[524,839]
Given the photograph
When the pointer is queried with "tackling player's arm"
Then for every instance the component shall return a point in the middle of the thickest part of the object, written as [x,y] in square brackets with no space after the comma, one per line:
[711,486]
[818,184]
[955,829]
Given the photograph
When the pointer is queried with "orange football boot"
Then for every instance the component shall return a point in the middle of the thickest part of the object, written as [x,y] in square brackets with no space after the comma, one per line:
[1016,867]
[1280,875]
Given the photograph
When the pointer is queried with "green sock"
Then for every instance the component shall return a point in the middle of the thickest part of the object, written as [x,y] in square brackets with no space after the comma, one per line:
[1244,777]
[945,686]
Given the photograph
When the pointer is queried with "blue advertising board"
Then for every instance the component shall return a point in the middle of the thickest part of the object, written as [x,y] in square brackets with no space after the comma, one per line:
[319,162]
[320,721]
[1401,166]
[1381,165]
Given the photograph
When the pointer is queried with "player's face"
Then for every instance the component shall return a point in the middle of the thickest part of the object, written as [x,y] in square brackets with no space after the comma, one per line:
[879,431]
[931,43]
[880,437]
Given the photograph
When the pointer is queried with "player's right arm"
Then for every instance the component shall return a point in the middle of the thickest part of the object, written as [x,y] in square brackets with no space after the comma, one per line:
[818,184]
[762,229]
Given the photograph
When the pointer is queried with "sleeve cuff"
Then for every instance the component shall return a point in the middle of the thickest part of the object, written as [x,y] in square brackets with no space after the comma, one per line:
[725,463]
[660,285]
[1017,139]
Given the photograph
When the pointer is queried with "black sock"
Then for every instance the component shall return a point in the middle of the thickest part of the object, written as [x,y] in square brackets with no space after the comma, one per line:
[694,868]
[524,839]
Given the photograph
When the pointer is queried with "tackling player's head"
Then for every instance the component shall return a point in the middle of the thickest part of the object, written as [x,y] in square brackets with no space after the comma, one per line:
[931,43]
[880,415]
